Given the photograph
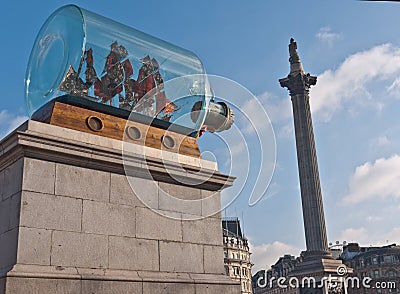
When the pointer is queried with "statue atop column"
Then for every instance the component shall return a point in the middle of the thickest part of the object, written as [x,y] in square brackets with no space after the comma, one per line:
[297,82]
[294,56]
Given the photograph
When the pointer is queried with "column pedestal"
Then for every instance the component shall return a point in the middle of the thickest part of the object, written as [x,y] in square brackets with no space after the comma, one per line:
[70,222]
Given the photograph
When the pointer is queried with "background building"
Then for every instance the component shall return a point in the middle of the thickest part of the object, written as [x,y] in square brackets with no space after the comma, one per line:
[236,253]
[381,264]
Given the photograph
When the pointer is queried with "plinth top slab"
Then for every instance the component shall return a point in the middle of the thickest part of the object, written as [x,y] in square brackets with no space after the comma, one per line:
[43,141]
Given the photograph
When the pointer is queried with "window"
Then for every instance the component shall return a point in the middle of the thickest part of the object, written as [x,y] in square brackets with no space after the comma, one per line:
[226,270]
[236,271]
[374,260]
[225,255]
[388,259]
[376,274]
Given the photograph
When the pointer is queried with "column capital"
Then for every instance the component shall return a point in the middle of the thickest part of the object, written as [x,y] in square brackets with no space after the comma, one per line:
[299,83]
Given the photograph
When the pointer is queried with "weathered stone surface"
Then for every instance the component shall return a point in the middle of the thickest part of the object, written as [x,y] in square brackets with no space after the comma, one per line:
[212,289]
[202,231]
[180,198]
[39,176]
[15,209]
[108,219]
[211,204]
[8,249]
[85,252]
[82,183]
[1,184]
[2,285]
[42,286]
[121,192]
[164,288]
[9,212]
[80,250]
[5,211]
[151,225]
[180,192]
[34,246]
[133,254]
[114,287]
[181,257]
[136,192]
[51,212]
[12,179]
[213,259]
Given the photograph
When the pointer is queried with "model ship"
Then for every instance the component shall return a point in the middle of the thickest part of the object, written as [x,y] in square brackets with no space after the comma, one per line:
[144,95]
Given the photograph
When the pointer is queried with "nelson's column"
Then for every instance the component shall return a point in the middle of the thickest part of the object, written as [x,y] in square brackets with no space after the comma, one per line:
[317,261]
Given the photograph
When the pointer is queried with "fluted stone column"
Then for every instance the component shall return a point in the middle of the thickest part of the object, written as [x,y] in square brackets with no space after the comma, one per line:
[298,83]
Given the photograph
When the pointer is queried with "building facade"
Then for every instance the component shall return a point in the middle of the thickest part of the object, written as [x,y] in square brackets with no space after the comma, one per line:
[236,254]
[379,264]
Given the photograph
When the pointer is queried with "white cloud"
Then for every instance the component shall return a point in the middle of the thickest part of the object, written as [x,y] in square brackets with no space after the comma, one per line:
[375,180]
[256,116]
[354,235]
[350,79]
[393,236]
[286,131]
[265,255]
[9,122]
[366,237]
[374,218]
[394,88]
[16,122]
[278,109]
[326,35]
[381,141]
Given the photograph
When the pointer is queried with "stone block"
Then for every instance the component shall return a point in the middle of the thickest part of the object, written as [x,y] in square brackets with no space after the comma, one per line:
[51,212]
[79,250]
[39,176]
[180,198]
[152,225]
[1,184]
[34,246]
[133,254]
[180,192]
[42,286]
[8,249]
[15,210]
[212,289]
[13,179]
[136,192]
[2,285]
[202,231]
[211,204]
[82,182]
[5,211]
[114,287]
[181,257]
[108,219]
[9,213]
[164,288]
[213,259]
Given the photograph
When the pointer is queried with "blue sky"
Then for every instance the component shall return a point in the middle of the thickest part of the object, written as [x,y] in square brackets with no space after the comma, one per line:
[352,46]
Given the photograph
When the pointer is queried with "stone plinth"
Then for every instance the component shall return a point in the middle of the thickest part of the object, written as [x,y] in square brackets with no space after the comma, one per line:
[70,222]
